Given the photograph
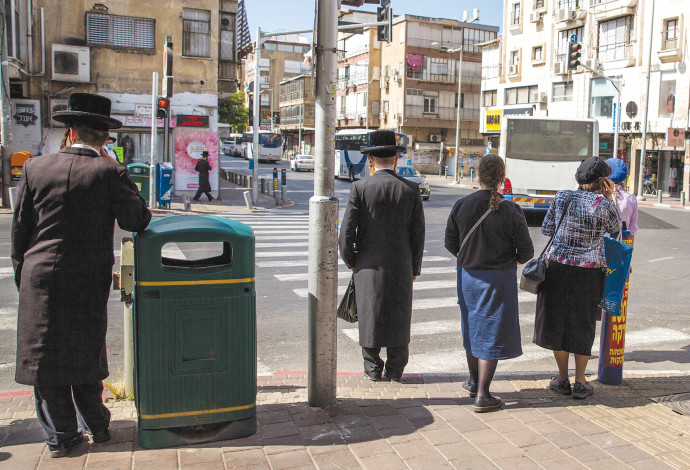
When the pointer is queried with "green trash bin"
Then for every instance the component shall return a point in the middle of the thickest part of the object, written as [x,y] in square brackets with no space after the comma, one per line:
[195,331]
[140,174]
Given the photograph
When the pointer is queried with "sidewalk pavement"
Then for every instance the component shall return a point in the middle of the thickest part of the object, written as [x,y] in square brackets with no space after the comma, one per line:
[425,422]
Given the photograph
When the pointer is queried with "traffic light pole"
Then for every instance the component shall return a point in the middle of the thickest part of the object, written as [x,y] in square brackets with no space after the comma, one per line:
[323,218]
[257,119]
[154,134]
[617,113]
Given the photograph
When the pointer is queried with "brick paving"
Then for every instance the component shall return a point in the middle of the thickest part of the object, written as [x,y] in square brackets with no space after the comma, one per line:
[425,422]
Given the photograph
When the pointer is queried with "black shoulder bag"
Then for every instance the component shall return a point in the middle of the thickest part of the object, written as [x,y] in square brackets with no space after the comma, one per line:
[534,271]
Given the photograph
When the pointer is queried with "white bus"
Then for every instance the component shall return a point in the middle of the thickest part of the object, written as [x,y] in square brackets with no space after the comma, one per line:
[541,156]
[232,145]
[350,162]
[270,146]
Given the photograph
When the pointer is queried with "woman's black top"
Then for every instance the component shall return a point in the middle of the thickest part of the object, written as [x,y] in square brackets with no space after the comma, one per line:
[500,242]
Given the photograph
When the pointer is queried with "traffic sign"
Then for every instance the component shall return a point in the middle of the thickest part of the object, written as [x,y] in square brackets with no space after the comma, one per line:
[573,38]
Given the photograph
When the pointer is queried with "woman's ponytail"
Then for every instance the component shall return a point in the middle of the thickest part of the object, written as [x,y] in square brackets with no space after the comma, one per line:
[492,171]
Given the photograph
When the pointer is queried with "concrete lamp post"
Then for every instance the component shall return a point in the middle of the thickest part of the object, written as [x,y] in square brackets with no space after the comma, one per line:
[453,50]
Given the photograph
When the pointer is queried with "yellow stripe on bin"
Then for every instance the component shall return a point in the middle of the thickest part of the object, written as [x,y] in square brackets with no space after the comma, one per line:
[194,283]
[194,413]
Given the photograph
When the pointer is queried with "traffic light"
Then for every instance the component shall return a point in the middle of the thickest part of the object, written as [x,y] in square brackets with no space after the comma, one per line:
[574,54]
[163,107]
[384,14]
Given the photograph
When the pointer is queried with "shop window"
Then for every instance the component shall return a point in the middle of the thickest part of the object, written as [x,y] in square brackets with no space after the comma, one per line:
[667,94]
[196,33]
[602,98]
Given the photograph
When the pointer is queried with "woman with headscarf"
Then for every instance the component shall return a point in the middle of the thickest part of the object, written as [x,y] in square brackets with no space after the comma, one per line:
[568,299]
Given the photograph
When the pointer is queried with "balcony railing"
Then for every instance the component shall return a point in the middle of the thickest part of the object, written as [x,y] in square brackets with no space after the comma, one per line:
[445,112]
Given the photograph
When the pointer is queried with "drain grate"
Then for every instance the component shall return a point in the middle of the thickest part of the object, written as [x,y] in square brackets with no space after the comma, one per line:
[680,403]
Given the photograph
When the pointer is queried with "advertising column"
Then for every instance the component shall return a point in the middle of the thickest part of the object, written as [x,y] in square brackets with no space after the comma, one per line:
[192,137]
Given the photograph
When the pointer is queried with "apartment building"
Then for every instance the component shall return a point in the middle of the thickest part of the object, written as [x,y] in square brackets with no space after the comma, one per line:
[297,108]
[112,49]
[281,58]
[526,72]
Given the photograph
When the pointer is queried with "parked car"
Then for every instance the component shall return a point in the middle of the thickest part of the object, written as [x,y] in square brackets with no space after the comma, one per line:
[302,162]
[411,173]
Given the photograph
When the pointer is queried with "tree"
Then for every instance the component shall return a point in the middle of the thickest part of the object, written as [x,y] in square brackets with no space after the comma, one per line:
[233,112]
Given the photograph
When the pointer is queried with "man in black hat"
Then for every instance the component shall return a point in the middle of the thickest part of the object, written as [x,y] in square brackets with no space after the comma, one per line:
[382,241]
[62,252]
[203,167]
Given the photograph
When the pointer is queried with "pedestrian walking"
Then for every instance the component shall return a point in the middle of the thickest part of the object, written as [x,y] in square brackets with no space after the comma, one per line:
[382,241]
[489,236]
[203,167]
[626,202]
[108,148]
[568,299]
[62,253]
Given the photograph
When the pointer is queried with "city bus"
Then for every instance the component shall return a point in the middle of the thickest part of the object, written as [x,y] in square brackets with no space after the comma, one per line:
[232,145]
[270,146]
[350,162]
[541,156]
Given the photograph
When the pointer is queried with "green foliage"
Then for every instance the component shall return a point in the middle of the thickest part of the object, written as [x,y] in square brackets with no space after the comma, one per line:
[233,112]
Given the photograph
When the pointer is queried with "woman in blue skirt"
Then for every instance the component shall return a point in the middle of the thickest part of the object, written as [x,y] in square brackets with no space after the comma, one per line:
[487,256]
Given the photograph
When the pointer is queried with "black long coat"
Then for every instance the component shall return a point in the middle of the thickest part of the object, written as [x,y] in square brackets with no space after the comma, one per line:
[203,167]
[382,237]
[62,252]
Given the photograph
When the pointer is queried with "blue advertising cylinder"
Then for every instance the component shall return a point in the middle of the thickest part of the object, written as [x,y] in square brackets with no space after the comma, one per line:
[612,343]
[283,177]
[275,179]
[164,172]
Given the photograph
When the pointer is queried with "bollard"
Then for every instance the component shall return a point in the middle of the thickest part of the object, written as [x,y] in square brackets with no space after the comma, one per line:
[682,198]
[445,172]
[248,200]
[263,185]
[275,186]
[660,195]
[185,202]
[612,343]
[283,184]
[472,174]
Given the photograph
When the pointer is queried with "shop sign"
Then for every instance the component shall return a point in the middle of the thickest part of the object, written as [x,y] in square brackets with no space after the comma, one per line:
[25,113]
[493,120]
[186,120]
[143,110]
[603,145]
[675,137]
[141,121]
[518,112]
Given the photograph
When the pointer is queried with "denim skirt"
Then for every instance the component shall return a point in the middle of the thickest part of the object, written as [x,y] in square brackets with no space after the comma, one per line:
[489,311]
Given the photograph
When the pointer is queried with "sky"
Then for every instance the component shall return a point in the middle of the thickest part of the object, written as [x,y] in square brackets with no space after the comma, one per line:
[292,15]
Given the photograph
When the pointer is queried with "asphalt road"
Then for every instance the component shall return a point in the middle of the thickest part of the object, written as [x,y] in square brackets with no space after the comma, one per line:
[657,336]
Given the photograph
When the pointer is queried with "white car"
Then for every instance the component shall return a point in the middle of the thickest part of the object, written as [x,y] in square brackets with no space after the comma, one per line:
[302,162]
[412,174]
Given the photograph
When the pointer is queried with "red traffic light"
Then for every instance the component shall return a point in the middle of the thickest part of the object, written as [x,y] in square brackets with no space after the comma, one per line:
[162,105]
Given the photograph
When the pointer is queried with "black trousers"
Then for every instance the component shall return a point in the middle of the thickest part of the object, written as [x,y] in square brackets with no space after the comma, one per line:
[396,360]
[200,192]
[64,409]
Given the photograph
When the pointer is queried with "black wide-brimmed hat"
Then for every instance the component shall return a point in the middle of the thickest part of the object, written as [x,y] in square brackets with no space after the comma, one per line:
[591,170]
[204,153]
[383,145]
[92,110]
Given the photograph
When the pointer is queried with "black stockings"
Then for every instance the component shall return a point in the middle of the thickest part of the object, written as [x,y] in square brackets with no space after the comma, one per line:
[481,373]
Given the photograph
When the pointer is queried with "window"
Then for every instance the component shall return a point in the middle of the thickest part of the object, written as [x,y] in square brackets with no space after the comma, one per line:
[520,95]
[103,29]
[196,33]
[430,104]
[670,34]
[667,94]
[490,98]
[572,4]
[564,40]
[386,106]
[615,39]
[226,45]
[538,54]
[563,91]
[538,4]
[514,57]
[292,66]
[602,96]
[515,14]
[14,40]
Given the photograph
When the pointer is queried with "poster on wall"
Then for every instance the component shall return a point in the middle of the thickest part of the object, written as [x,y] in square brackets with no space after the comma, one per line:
[26,125]
[189,144]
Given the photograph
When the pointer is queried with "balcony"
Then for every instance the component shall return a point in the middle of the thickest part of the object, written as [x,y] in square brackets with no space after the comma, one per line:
[671,50]
[446,112]
[604,10]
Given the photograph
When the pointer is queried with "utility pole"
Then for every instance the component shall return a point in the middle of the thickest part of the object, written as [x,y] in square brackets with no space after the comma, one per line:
[458,117]
[323,218]
[643,150]
[257,118]
[154,135]
[5,121]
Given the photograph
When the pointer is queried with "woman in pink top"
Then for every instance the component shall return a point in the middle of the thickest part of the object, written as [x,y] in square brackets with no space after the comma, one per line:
[627,203]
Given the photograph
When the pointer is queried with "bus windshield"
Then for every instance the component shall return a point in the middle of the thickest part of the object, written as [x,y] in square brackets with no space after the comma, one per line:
[270,141]
[549,140]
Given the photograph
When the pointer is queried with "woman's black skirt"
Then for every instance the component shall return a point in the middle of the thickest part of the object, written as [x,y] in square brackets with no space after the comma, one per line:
[568,308]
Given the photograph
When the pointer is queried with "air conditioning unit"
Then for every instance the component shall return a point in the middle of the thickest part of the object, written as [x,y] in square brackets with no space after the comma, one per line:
[513,69]
[538,97]
[396,78]
[559,68]
[593,64]
[578,14]
[435,138]
[410,140]
[382,116]
[564,14]
[71,63]
[384,82]
[534,17]
[57,105]
[396,116]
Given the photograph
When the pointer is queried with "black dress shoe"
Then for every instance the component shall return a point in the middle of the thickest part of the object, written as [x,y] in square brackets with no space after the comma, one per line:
[470,388]
[376,377]
[391,378]
[64,447]
[482,405]
[102,436]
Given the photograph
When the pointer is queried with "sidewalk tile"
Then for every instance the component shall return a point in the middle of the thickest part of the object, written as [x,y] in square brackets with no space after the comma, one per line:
[379,410]
[517,463]
[70,462]
[390,421]
[655,446]
[321,434]
[273,417]
[120,463]
[629,453]
[370,448]
[24,450]
[294,459]
[607,464]
[438,437]
[650,464]
[468,425]
[162,464]
[153,455]
[277,445]
[25,462]
[587,453]
[342,460]
[500,450]
[270,431]
[414,448]
[318,449]
[452,414]
[426,462]
[429,423]
[474,463]
[566,439]
[544,452]
[524,438]
[606,440]
[383,462]
[245,458]
[458,450]
[527,415]
[199,455]
[547,426]
[350,421]
[311,417]
[414,412]
[508,425]
[483,436]
[401,434]
[567,463]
